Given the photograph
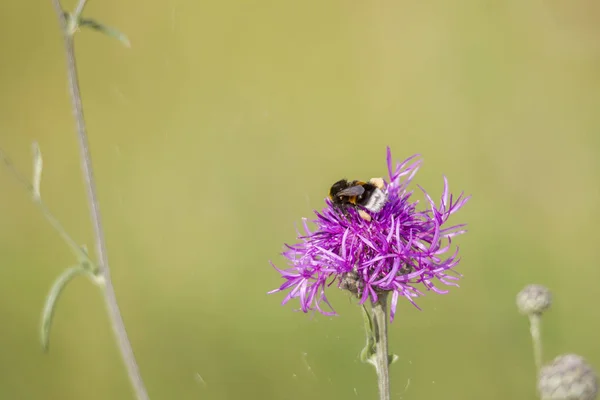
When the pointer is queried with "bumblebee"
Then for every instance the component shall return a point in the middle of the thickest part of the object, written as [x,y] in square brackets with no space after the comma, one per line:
[358,194]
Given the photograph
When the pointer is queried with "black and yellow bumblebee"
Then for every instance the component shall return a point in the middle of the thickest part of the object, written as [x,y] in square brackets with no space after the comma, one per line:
[359,194]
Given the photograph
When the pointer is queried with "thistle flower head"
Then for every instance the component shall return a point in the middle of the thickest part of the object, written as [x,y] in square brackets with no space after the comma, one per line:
[402,249]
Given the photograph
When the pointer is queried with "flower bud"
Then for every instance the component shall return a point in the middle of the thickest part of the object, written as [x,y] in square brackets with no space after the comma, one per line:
[534,299]
[568,377]
[351,282]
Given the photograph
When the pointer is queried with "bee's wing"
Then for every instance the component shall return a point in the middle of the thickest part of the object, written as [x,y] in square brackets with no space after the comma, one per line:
[352,191]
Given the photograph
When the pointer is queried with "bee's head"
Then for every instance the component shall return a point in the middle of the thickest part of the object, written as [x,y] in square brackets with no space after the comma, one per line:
[335,189]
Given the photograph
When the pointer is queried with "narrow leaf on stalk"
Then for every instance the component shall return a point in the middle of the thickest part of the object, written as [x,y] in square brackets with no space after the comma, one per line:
[50,306]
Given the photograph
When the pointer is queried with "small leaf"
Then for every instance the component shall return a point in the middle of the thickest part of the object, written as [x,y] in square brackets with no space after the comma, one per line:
[392,358]
[50,306]
[368,352]
[368,320]
[367,355]
[112,32]
[37,170]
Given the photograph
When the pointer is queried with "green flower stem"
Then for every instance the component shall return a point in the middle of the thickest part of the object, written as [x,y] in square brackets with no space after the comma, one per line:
[381,359]
[69,24]
[79,9]
[534,328]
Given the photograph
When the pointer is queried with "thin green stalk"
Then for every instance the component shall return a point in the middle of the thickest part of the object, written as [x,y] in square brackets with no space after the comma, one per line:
[535,328]
[381,359]
[79,252]
[69,24]
[79,9]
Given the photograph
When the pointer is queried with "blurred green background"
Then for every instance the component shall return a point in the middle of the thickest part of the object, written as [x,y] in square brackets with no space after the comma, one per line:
[226,122]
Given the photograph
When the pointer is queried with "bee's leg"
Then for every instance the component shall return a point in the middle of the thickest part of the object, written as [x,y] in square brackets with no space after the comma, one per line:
[345,211]
[363,214]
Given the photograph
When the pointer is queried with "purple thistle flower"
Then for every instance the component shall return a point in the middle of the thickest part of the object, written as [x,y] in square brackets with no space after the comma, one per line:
[400,249]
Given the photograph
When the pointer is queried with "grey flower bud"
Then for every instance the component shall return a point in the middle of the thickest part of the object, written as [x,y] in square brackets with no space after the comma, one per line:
[568,377]
[534,299]
[351,282]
